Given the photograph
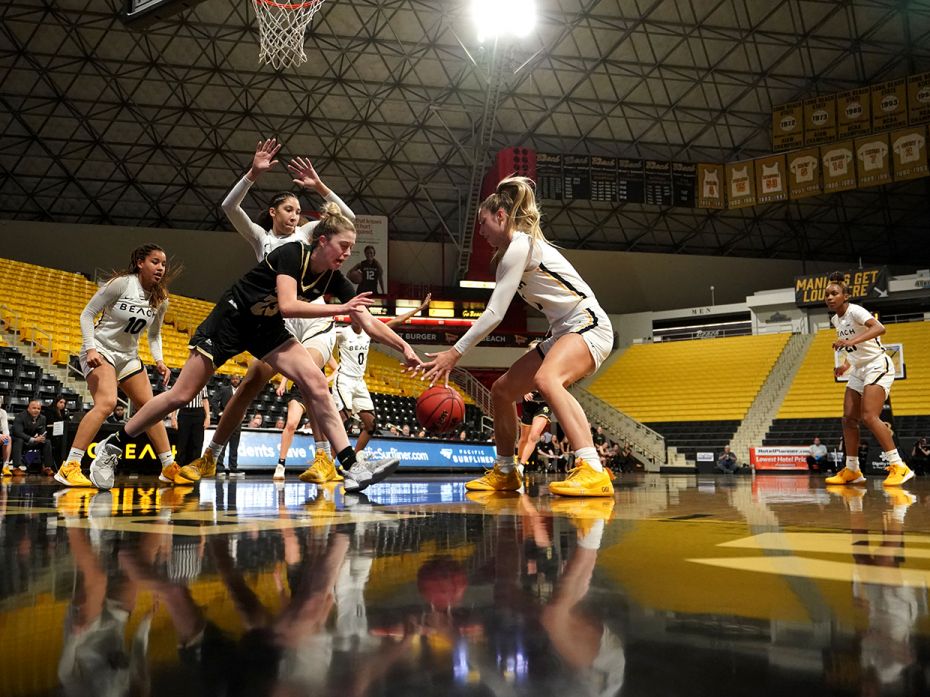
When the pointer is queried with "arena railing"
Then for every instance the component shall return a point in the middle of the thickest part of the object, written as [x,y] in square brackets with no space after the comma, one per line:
[649,445]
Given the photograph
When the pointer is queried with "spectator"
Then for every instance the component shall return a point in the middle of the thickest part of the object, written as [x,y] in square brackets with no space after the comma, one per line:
[193,420]
[220,400]
[118,416]
[567,461]
[279,424]
[920,456]
[727,462]
[29,433]
[56,412]
[817,459]
[463,434]
[545,455]
[405,430]
[628,461]
[5,441]
[255,421]
[392,430]
[422,433]
[599,437]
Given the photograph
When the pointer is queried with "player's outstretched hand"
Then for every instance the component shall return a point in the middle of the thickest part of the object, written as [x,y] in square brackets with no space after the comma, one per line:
[358,303]
[263,160]
[303,173]
[440,367]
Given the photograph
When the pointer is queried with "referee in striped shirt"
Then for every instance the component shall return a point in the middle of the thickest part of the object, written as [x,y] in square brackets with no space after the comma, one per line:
[193,420]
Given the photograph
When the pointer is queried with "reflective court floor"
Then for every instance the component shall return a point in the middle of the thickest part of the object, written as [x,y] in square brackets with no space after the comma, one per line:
[679,585]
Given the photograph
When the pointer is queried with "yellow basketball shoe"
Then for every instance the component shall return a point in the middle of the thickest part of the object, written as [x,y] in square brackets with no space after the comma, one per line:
[70,474]
[583,480]
[846,476]
[8,470]
[582,513]
[322,470]
[169,473]
[496,480]
[898,473]
[189,474]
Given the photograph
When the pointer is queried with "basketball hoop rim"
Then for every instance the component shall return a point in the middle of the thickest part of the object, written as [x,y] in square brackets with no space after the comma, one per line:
[290,5]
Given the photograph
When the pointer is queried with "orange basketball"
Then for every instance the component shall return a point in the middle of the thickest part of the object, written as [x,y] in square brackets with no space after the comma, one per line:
[440,409]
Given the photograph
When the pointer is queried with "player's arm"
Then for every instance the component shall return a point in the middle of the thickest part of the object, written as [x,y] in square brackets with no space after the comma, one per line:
[333,367]
[155,348]
[306,177]
[399,320]
[262,161]
[291,306]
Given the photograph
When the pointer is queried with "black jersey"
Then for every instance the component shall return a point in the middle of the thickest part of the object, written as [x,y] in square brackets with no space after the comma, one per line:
[370,270]
[256,292]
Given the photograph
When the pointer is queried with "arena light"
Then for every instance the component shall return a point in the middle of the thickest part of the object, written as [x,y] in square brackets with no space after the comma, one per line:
[499,18]
[465,283]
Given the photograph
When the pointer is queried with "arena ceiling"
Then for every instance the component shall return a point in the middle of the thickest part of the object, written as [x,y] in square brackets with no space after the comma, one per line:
[106,123]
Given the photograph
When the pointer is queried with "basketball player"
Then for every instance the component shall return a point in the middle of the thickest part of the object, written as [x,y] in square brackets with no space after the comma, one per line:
[533,421]
[871,374]
[250,317]
[280,224]
[132,300]
[581,338]
[369,272]
[349,388]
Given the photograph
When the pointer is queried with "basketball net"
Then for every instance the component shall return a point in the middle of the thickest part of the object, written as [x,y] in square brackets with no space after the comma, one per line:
[281,28]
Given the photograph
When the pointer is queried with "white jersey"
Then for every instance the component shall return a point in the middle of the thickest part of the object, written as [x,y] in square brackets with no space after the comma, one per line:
[264,241]
[852,324]
[126,312]
[306,328]
[542,277]
[353,352]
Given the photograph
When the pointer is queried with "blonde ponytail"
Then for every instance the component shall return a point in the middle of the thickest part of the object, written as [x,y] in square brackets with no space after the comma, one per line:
[332,221]
[517,197]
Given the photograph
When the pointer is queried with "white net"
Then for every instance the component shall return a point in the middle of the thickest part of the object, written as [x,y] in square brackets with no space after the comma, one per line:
[281,28]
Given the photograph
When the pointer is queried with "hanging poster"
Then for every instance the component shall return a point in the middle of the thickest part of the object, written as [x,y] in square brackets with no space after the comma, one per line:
[684,182]
[873,161]
[788,126]
[741,189]
[631,181]
[576,177]
[889,105]
[918,99]
[819,120]
[603,178]
[853,113]
[909,153]
[710,186]
[839,172]
[771,182]
[803,173]
[658,183]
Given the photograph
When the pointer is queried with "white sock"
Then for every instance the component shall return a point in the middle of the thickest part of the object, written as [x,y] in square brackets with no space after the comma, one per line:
[592,540]
[852,463]
[165,459]
[892,456]
[75,455]
[215,448]
[590,456]
[504,463]
[855,505]
[898,513]
[324,446]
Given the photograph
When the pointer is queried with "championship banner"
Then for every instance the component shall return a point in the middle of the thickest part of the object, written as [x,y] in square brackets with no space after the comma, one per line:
[786,458]
[873,164]
[853,113]
[369,258]
[771,180]
[804,173]
[839,173]
[863,284]
[918,99]
[741,187]
[889,105]
[710,186]
[909,153]
[819,120]
[787,126]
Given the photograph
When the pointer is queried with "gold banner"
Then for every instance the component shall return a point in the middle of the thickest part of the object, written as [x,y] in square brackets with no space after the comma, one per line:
[788,126]
[839,172]
[873,164]
[889,105]
[710,186]
[803,173]
[771,182]
[853,115]
[741,190]
[819,120]
[909,152]
[918,99]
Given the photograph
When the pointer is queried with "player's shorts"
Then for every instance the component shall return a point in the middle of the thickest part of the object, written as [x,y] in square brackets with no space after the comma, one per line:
[878,372]
[227,332]
[125,364]
[532,409]
[594,327]
[352,395]
[323,343]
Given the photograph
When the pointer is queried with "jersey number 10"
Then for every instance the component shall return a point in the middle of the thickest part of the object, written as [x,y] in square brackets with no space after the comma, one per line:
[134,325]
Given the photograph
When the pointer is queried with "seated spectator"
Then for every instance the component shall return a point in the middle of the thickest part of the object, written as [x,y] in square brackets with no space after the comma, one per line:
[29,434]
[5,441]
[817,459]
[421,433]
[727,462]
[54,413]
[405,430]
[599,437]
[545,455]
[118,416]
[279,424]
[567,461]
[255,421]
[392,430]
[920,456]
[463,434]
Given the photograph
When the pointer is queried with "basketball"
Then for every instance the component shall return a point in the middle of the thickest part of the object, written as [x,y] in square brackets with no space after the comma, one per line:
[440,409]
[355,276]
